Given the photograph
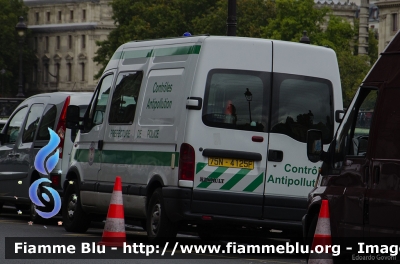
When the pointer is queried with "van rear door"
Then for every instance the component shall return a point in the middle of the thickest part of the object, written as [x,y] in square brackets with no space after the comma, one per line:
[299,102]
[230,140]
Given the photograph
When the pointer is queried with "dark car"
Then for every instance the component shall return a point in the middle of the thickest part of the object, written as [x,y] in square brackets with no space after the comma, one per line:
[24,134]
[360,174]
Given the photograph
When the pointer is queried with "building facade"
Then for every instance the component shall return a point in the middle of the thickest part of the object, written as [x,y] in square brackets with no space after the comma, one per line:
[389,11]
[64,40]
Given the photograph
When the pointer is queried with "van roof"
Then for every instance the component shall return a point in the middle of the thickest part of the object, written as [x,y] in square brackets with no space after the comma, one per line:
[196,41]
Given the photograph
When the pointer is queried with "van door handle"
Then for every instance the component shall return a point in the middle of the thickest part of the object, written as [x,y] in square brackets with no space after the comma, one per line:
[377,175]
[275,155]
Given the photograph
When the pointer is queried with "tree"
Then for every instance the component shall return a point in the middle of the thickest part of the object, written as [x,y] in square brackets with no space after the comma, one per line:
[149,19]
[294,16]
[10,11]
[372,46]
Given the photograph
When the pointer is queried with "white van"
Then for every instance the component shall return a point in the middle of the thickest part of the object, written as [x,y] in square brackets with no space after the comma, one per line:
[207,130]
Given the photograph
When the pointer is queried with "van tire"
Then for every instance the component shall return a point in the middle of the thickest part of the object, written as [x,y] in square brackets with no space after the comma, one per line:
[34,216]
[158,224]
[74,218]
[311,231]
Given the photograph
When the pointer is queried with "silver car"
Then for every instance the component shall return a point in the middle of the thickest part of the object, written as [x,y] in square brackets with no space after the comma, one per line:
[24,134]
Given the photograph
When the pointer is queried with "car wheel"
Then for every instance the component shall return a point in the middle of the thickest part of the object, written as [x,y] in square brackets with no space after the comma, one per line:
[158,225]
[74,218]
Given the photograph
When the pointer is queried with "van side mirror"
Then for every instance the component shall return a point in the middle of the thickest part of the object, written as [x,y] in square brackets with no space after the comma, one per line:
[73,116]
[339,114]
[314,145]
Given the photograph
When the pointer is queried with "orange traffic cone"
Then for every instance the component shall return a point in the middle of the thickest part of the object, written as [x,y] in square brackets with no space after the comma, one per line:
[322,238]
[114,230]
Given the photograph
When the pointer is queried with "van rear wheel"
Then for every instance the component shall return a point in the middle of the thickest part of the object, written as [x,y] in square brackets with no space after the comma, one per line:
[158,224]
[74,218]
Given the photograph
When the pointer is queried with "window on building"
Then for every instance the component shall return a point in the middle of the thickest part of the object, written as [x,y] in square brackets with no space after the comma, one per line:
[71,14]
[59,15]
[70,42]
[394,21]
[37,17]
[48,16]
[46,73]
[58,42]
[34,73]
[69,72]
[83,41]
[47,43]
[57,71]
[83,14]
[83,71]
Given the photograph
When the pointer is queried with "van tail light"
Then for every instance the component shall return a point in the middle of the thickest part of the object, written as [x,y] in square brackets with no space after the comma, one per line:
[186,162]
[55,181]
[62,126]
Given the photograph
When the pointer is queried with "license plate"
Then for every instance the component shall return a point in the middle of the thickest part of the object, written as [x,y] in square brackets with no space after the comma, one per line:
[231,163]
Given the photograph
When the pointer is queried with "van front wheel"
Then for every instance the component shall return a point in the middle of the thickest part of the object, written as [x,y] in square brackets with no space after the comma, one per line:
[74,218]
[158,224]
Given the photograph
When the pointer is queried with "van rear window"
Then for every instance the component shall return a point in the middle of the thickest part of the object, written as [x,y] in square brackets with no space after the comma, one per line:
[237,99]
[300,103]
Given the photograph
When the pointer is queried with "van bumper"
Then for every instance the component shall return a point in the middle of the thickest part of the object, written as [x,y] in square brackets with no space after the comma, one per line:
[177,203]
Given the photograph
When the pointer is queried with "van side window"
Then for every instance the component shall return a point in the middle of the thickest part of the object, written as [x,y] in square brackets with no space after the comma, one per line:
[125,97]
[14,126]
[387,136]
[32,122]
[352,135]
[98,104]
[237,99]
[48,121]
[301,103]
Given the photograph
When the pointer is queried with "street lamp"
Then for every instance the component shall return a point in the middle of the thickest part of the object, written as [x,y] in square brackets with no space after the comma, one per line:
[249,97]
[21,29]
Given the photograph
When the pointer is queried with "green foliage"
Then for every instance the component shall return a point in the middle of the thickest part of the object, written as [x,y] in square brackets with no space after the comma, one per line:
[292,18]
[10,11]
[279,19]
[372,46]
[150,19]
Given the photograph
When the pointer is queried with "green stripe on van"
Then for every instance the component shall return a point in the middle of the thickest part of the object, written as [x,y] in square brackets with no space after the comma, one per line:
[146,53]
[254,184]
[185,50]
[200,166]
[235,179]
[218,172]
[129,157]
